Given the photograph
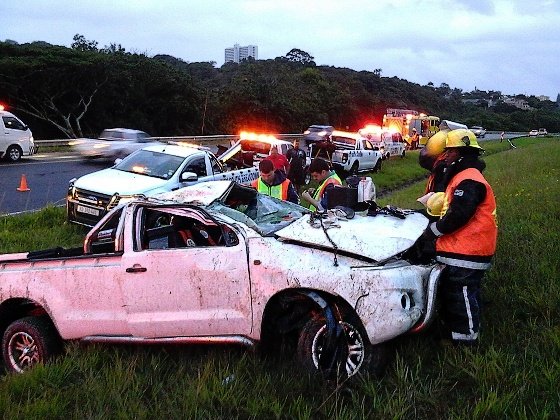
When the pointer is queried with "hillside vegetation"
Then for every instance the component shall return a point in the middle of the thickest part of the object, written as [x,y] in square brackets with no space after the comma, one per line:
[514,373]
[79,91]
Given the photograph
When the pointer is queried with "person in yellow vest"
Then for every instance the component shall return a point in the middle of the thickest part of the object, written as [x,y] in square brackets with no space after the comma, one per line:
[274,183]
[321,172]
[466,234]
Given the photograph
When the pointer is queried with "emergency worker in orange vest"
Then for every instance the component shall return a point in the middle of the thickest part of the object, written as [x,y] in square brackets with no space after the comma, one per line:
[466,234]
[274,183]
[414,139]
[320,171]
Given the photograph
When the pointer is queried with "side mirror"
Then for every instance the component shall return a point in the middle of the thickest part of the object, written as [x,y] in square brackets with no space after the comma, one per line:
[188,177]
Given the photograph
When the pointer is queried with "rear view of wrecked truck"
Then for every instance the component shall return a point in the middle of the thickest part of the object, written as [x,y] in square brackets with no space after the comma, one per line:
[219,263]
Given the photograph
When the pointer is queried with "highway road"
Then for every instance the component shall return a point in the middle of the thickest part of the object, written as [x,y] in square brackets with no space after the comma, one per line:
[47,178]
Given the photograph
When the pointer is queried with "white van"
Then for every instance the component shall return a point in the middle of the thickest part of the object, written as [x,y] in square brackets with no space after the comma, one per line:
[16,139]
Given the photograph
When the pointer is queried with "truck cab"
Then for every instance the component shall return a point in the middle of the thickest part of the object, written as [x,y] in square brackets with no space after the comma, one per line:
[16,139]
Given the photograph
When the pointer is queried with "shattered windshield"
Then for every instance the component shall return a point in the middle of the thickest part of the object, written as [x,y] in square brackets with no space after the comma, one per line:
[260,212]
[154,164]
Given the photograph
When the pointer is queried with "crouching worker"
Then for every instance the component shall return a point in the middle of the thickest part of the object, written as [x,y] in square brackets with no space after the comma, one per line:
[465,234]
[321,172]
[274,183]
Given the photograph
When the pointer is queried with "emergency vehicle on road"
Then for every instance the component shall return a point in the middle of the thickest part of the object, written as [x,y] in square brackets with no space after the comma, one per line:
[388,143]
[405,120]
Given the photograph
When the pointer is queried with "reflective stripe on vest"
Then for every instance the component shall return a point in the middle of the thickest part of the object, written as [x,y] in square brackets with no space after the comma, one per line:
[472,245]
[279,191]
[331,179]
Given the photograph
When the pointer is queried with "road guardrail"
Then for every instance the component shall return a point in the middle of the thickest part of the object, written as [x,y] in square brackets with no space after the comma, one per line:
[198,140]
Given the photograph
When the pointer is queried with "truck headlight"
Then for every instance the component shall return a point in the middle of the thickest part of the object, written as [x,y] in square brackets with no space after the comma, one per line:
[71,188]
[344,158]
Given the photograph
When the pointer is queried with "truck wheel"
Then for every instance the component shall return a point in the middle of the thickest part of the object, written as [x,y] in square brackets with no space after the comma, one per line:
[28,342]
[403,154]
[14,153]
[353,354]
[307,178]
[354,169]
[377,167]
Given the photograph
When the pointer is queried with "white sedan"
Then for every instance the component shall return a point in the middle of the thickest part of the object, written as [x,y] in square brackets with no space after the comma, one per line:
[113,143]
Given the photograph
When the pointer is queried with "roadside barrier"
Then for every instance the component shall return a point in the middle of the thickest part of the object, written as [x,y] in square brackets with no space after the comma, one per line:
[199,140]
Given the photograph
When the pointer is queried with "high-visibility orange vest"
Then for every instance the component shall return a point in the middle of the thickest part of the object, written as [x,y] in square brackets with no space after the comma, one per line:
[334,179]
[279,191]
[473,245]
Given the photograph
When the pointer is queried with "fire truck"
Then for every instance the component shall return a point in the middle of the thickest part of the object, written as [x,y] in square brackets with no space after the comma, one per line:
[405,120]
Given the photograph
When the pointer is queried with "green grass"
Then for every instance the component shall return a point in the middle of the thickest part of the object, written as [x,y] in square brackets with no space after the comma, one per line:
[514,373]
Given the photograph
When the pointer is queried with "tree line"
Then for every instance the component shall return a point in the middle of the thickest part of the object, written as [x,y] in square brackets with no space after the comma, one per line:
[81,90]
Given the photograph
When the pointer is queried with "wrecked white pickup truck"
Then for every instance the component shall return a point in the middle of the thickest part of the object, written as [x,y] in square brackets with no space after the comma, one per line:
[217,262]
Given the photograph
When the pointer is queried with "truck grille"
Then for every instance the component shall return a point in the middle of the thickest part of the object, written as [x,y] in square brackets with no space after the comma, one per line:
[94,199]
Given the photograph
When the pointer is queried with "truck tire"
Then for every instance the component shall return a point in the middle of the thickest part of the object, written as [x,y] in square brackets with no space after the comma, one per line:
[14,153]
[355,168]
[354,353]
[403,154]
[28,342]
[377,167]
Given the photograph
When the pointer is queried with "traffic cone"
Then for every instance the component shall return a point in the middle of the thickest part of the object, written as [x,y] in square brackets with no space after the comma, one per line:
[23,184]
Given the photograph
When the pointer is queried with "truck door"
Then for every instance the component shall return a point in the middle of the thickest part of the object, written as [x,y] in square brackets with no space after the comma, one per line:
[369,155]
[185,276]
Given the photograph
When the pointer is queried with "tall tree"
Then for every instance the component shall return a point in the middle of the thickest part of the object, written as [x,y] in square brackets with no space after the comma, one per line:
[298,56]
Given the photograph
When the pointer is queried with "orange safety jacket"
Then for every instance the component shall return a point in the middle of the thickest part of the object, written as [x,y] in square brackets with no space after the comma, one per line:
[334,179]
[277,191]
[473,245]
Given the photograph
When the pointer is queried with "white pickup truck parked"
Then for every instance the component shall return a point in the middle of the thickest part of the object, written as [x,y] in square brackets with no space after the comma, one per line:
[217,262]
[149,171]
[354,153]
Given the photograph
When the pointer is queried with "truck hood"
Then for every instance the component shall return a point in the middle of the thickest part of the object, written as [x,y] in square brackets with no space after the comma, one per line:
[204,193]
[378,238]
[110,181]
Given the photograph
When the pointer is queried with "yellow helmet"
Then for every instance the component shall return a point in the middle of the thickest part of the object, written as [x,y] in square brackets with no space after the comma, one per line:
[436,144]
[462,138]
[434,205]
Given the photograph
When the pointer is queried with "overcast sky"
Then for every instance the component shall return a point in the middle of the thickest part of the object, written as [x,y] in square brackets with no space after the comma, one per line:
[508,45]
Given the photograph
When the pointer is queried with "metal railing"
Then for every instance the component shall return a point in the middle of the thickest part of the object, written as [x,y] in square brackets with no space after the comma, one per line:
[199,140]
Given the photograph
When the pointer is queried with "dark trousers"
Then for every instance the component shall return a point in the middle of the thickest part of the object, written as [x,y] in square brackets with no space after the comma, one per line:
[460,301]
